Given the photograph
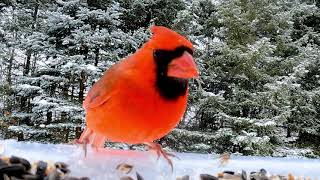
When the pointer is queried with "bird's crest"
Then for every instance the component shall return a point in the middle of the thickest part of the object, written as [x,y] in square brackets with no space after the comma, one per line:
[167,39]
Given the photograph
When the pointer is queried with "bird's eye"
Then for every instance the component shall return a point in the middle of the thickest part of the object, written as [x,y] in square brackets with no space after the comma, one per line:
[159,54]
[155,54]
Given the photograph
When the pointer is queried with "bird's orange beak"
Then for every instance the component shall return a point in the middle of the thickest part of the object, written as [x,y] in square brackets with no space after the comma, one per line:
[183,67]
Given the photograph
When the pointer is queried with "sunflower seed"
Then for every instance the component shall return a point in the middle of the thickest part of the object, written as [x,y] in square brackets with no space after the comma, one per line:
[30,177]
[41,169]
[207,177]
[244,175]
[13,170]
[139,177]
[124,168]
[185,177]
[126,178]
[61,165]
[228,172]
[18,160]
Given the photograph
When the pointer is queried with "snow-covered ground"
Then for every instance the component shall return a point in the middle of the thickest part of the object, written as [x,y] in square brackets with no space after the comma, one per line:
[101,164]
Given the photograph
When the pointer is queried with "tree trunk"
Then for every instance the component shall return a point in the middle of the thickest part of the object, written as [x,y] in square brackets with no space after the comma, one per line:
[49,117]
[23,103]
[29,107]
[72,92]
[72,86]
[66,140]
[20,136]
[82,81]
[64,117]
[34,63]
[96,59]
[35,14]
[53,89]
[65,90]
[78,132]
[9,80]
[29,53]
[288,132]
[27,65]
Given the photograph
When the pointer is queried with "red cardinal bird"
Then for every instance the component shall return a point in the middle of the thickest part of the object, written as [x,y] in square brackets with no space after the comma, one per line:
[143,97]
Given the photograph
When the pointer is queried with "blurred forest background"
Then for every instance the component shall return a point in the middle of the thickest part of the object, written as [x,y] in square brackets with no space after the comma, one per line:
[259,64]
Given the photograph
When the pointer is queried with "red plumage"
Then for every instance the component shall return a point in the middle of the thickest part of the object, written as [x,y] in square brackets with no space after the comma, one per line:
[126,105]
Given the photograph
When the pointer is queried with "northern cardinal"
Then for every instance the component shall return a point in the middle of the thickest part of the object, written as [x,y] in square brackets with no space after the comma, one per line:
[143,97]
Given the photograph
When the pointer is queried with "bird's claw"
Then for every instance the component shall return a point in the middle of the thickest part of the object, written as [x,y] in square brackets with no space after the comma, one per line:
[84,144]
[160,151]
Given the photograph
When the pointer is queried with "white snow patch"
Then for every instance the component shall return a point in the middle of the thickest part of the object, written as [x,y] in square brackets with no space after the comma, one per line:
[26,129]
[267,123]
[60,125]
[91,67]
[293,152]
[101,164]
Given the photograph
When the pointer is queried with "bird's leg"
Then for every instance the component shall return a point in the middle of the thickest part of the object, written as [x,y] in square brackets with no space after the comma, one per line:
[89,137]
[97,141]
[84,139]
[161,152]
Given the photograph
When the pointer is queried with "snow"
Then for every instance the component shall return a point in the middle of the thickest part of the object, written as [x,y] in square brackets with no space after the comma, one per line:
[267,123]
[209,94]
[101,164]
[292,152]
[26,89]
[58,125]
[25,129]
[43,102]
[91,67]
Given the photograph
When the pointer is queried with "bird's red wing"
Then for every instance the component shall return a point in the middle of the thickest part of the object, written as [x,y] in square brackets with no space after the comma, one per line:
[103,89]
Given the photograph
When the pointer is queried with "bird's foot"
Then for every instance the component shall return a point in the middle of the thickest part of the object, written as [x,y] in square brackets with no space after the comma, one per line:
[83,143]
[89,137]
[161,152]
